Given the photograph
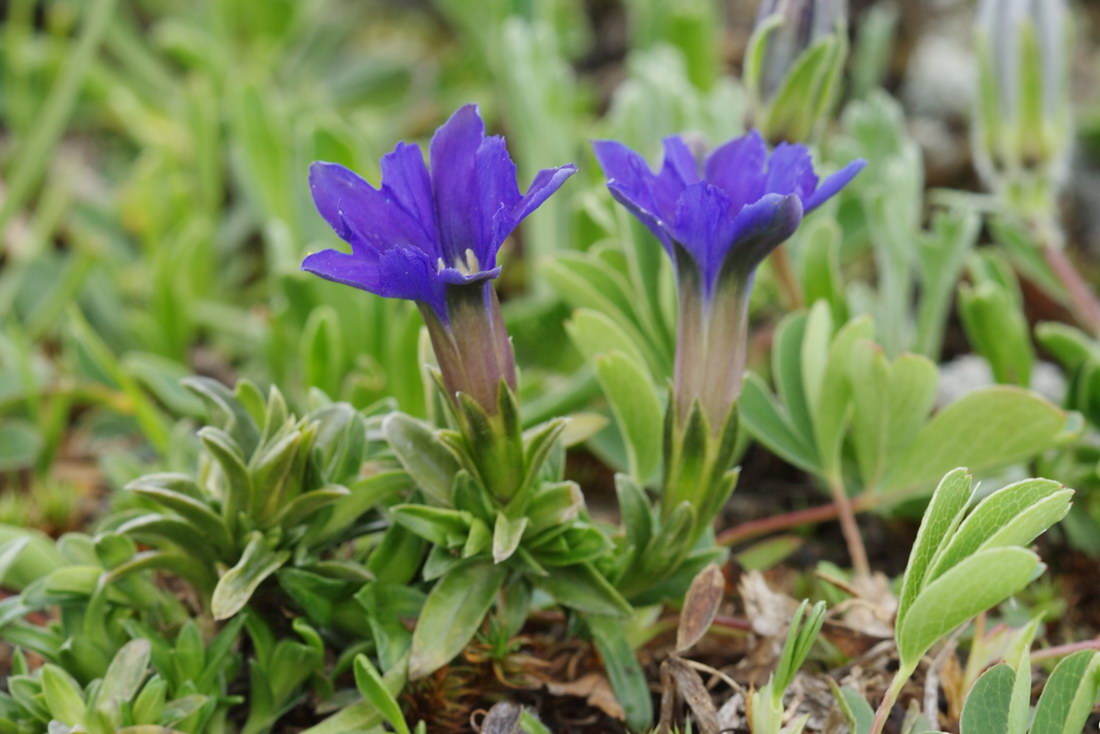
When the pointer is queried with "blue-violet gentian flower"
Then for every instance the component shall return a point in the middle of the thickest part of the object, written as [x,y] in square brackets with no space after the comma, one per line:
[432,237]
[718,219]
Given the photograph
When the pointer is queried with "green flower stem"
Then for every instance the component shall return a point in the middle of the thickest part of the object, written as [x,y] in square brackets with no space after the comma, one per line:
[711,335]
[891,697]
[474,351]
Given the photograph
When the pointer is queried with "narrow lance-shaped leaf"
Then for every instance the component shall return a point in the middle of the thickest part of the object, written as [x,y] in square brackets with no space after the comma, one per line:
[237,585]
[452,613]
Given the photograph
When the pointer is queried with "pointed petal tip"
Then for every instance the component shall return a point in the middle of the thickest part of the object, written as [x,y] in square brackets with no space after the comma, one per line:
[832,185]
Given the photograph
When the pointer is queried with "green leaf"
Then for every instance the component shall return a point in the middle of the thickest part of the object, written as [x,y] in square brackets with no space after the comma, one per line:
[985,430]
[831,411]
[595,334]
[322,350]
[374,689]
[363,495]
[63,696]
[623,670]
[237,585]
[299,509]
[507,533]
[553,505]
[10,552]
[229,456]
[637,517]
[583,588]
[941,518]
[814,354]
[20,443]
[637,408]
[150,702]
[438,525]
[762,416]
[787,373]
[987,705]
[194,511]
[452,613]
[124,676]
[854,707]
[890,404]
[1069,695]
[998,330]
[977,583]
[1014,515]
[157,529]
[427,459]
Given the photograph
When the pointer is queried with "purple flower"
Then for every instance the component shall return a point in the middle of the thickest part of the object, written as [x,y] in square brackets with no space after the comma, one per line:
[718,219]
[423,233]
[433,238]
[728,212]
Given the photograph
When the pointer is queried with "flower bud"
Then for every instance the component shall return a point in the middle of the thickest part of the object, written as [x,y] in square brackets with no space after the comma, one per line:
[1023,125]
[793,65]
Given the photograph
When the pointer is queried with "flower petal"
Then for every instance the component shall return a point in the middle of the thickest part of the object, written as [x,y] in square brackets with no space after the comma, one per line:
[628,171]
[361,214]
[660,229]
[833,184]
[355,270]
[396,273]
[760,228]
[705,228]
[454,176]
[545,183]
[791,171]
[405,181]
[497,194]
[738,169]
[678,171]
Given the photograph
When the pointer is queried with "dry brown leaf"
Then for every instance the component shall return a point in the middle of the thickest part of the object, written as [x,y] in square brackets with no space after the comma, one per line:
[503,718]
[769,612]
[595,688]
[953,682]
[688,686]
[700,606]
[851,642]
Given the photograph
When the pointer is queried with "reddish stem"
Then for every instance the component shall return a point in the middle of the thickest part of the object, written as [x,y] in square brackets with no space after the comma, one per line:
[809,516]
[1063,650]
[1083,301]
